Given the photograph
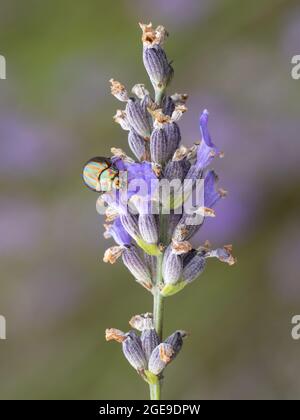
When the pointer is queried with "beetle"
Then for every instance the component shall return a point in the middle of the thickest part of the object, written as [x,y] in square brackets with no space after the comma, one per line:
[100,174]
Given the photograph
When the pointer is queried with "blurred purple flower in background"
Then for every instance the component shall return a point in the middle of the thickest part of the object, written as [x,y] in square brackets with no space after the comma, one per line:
[30,148]
[291,33]
[179,12]
[22,226]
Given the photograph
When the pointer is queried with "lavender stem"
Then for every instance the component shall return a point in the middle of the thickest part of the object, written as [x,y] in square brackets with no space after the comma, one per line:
[159,95]
[158,308]
[158,302]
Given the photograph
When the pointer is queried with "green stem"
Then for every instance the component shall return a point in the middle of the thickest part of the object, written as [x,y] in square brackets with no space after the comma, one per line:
[158,300]
[159,95]
[164,228]
[155,391]
[158,308]
[158,305]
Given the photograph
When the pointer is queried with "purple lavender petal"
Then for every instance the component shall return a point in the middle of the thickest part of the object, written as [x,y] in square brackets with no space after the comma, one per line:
[119,234]
[211,195]
[206,150]
[141,182]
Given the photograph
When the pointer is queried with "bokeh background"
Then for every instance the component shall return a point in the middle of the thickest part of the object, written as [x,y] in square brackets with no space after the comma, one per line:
[58,296]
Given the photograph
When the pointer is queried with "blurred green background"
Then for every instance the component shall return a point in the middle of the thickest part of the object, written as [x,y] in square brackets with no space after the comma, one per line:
[56,112]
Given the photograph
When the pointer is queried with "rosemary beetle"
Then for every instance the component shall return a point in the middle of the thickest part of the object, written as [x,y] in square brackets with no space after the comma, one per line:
[100,175]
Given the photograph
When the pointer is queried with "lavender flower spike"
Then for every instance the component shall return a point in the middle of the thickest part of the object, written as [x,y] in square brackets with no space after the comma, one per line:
[146,207]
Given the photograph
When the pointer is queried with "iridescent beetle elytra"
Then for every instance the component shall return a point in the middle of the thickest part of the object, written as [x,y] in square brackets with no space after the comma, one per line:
[100,174]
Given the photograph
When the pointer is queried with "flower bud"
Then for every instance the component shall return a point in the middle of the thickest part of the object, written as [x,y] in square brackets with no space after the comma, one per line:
[138,118]
[118,91]
[148,228]
[164,141]
[121,118]
[173,134]
[159,146]
[112,254]
[137,145]
[173,170]
[223,254]
[172,268]
[157,66]
[173,222]
[189,256]
[133,351]
[130,224]
[168,106]
[178,112]
[176,341]
[150,340]
[140,91]
[184,231]
[160,357]
[137,267]
[151,262]
[153,36]
[142,322]
[114,334]
[186,165]
[181,247]
[193,268]
[180,232]
[181,153]
[148,104]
